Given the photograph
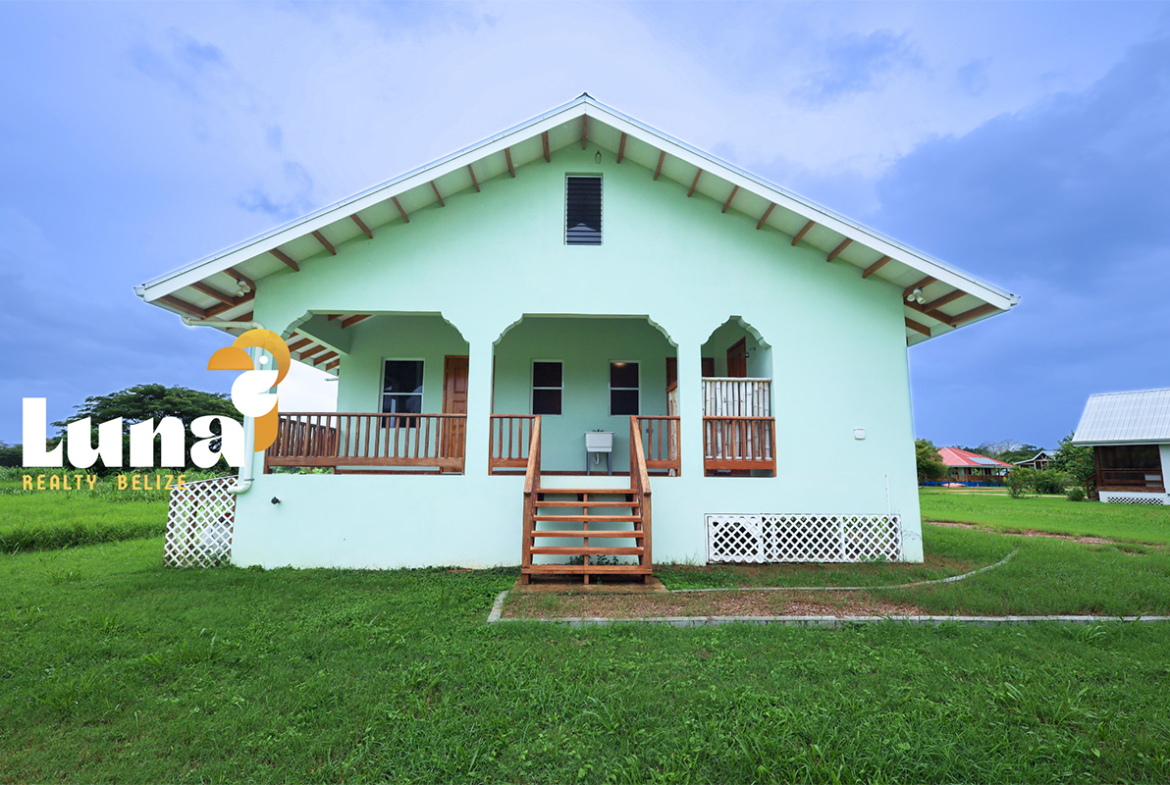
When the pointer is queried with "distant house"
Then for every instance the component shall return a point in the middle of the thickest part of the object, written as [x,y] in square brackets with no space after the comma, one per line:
[1039,461]
[1130,436]
[970,468]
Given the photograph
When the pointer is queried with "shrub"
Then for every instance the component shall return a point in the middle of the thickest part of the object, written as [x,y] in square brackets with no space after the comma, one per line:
[1076,494]
[1019,481]
[1050,481]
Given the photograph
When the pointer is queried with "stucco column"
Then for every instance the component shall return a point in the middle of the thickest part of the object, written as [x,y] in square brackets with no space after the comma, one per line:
[690,407]
[479,404]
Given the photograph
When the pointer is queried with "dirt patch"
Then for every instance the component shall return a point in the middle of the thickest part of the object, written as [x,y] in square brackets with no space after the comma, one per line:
[745,603]
[543,585]
[1026,533]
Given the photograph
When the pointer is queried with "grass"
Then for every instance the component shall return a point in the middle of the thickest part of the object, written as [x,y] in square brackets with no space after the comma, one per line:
[116,669]
[996,510]
[36,521]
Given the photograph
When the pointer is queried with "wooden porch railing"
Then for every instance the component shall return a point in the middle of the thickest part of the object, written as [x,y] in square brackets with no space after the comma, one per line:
[509,441]
[739,444]
[660,438]
[531,483]
[640,483]
[425,441]
[1130,480]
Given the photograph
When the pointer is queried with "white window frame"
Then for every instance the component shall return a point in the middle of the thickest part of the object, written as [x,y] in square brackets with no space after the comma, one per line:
[609,384]
[532,388]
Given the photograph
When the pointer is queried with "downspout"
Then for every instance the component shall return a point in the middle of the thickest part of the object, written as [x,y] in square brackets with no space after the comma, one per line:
[244,478]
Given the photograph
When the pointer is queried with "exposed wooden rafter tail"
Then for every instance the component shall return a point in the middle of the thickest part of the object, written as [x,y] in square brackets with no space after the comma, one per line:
[833,254]
[325,358]
[316,348]
[282,256]
[352,320]
[925,282]
[401,212]
[544,145]
[975,312]
[362,225]
[764,217]
[694,182]
[474,180]
[873,268]
[239,276]
[584,130]
[211,291]
[183,305]
[622,148]
[915,326]
[508,158]
[800,235]
[658,169]
[946,298]
[727,204]
[328,246]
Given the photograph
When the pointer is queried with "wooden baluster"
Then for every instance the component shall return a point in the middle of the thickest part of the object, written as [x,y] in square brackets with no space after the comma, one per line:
[427,444]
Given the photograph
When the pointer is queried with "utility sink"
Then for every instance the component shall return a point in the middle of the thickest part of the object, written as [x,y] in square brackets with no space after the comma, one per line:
[599,441]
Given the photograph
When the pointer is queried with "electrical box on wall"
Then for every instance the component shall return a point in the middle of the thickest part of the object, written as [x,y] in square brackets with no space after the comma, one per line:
[859,433]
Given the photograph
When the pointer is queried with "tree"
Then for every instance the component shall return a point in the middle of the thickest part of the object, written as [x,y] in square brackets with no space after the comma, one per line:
[152,402]
[1007,450]
[1077,462]
[930,466]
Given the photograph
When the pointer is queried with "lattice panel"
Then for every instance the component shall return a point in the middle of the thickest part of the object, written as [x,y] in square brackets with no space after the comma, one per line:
[767,538]
[199,524]
[1145,498]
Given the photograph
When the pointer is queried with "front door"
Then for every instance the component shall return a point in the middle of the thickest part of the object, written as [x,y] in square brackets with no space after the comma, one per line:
[454,402]
[737,360]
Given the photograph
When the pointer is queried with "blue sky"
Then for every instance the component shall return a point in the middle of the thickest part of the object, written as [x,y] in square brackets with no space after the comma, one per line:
[1026,143]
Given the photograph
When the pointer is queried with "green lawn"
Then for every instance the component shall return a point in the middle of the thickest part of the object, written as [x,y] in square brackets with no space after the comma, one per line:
[117,669]
[114,668]
[996,510]
[53,520]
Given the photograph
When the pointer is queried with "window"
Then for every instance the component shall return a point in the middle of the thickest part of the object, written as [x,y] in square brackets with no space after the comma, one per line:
[547,387]
[623,388]
[582,211]
[402,386]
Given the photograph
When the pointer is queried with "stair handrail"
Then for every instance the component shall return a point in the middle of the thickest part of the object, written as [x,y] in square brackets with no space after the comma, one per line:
[531,478]
[640,484]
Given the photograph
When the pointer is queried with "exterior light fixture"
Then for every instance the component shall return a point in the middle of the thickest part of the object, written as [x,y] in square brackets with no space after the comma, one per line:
[915,296]
[597,158]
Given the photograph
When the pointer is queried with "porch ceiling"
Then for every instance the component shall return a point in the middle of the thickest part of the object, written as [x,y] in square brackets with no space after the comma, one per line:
[220,288]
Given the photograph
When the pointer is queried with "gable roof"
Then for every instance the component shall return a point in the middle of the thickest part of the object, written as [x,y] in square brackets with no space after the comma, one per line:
[1037,456]
[221,287]
[953,456]
[1138,417]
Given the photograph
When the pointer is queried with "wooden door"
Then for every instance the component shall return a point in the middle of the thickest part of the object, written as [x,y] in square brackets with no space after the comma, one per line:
[737,360]
[454,402]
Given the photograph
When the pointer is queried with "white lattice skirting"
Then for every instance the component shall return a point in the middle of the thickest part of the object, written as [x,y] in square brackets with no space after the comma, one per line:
[1135,498]
[199,524]
[777,537]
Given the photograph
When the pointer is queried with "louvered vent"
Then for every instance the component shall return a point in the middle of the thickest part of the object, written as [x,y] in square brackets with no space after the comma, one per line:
[582,211]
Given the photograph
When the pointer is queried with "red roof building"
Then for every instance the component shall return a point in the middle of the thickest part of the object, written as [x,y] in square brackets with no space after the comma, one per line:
[970,467]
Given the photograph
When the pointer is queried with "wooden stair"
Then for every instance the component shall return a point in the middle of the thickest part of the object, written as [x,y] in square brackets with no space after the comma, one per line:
[550,512]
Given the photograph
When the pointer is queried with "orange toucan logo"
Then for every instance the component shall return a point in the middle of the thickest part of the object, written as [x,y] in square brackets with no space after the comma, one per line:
[253,393]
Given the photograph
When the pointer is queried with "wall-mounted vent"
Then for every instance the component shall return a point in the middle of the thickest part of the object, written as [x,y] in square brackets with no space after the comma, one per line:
[582,211]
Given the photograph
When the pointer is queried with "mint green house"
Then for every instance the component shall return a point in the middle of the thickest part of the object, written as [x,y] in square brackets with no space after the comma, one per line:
[579,345]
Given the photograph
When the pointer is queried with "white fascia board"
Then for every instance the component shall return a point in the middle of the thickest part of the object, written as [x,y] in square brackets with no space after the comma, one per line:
[197,271]
[822,215]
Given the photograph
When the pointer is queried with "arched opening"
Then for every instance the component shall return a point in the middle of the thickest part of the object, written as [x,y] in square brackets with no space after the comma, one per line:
[585,376]
[401,396]
[739,433]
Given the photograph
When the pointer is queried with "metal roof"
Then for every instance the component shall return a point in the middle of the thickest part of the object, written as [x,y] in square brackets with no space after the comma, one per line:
[1138,417]
[953,456]
[221,287]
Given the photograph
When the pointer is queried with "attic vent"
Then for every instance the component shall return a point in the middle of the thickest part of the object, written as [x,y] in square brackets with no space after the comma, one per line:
[582,211]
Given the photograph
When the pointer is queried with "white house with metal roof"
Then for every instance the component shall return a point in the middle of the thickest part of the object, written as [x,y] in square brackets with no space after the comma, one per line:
[539,334]
[1130,436]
